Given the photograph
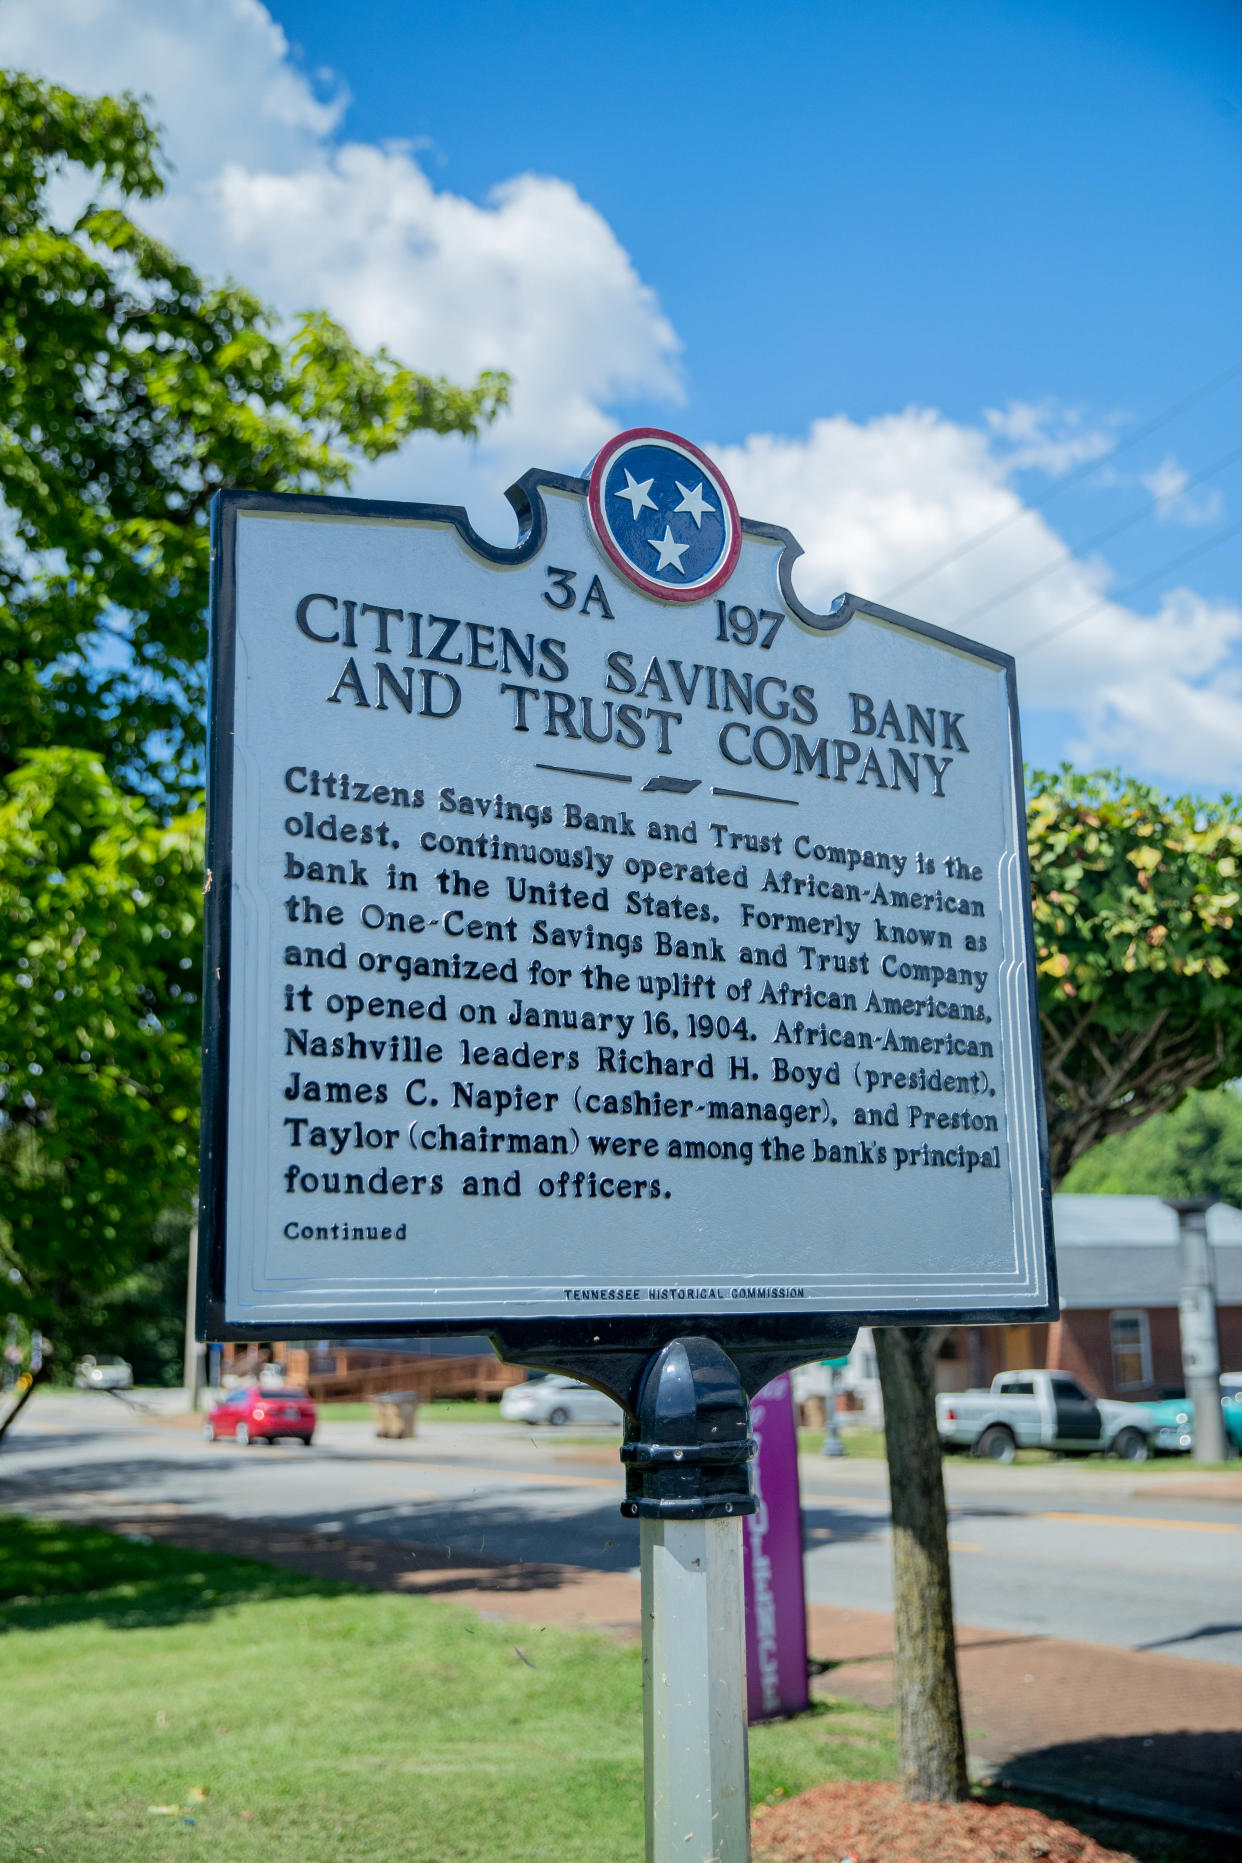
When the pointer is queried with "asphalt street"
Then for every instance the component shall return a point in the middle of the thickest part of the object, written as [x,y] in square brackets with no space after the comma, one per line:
[1087,1552]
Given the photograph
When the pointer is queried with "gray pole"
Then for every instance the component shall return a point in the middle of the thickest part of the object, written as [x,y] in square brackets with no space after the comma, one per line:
[694,1691]
[1197,1316]
[687,1482]
[192,1376]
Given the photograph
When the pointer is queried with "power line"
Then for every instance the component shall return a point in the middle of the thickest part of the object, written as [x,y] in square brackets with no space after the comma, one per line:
[1089,543]
[1081,472]
[1106,601]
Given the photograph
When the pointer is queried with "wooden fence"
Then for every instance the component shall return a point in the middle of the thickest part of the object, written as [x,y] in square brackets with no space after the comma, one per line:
[478,1378]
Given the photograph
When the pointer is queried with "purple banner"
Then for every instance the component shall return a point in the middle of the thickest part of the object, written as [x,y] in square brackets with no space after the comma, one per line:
[776,1680]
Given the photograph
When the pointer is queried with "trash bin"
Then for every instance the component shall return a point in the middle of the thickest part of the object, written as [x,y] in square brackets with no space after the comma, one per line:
[396,1413]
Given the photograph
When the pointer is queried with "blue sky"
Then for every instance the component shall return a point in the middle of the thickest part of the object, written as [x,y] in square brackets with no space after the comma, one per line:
[857,205]
[905,268]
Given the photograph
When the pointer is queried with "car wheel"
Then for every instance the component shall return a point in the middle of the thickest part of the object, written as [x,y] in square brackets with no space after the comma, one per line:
[241,1435]
[209,1432]
[306,1441]
[558,1416]
[997,1444]
[1131,1446]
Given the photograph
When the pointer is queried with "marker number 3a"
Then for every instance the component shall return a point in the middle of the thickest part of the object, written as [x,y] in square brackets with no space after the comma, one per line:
[566,595]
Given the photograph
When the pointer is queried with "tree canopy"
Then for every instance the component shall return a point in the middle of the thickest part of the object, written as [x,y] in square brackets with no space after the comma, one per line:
[1194,1151]
[131,390]
[100,960]
[1139,951]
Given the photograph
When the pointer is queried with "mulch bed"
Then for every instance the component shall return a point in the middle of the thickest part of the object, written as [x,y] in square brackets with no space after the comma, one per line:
[873,1824]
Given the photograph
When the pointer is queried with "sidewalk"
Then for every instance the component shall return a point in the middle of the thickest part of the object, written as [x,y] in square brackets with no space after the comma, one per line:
[1156,1735]
[1127,1728]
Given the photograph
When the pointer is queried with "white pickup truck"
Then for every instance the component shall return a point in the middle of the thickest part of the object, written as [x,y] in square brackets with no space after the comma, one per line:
[1041,1410]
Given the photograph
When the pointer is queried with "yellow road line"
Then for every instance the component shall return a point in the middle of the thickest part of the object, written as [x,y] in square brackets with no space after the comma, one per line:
[1132,1520]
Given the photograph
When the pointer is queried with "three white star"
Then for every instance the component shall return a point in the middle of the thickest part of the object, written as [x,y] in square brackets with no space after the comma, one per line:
[693,502]
[669,551]
[638,495]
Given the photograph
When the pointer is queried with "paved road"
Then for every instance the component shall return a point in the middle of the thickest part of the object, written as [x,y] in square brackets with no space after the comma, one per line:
[1095,1554]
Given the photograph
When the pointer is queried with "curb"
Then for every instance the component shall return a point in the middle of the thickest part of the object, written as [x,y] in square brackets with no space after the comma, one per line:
[1125,1804]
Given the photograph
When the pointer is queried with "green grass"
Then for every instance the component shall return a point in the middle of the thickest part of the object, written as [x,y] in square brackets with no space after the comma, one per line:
[856,1442]
[290,1717]
[439,1410]
[870,1445]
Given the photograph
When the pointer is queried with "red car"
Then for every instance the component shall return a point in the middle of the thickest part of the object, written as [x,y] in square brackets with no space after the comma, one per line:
[255,1415]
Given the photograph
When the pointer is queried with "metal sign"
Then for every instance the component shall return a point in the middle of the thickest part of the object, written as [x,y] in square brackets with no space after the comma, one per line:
[598,939]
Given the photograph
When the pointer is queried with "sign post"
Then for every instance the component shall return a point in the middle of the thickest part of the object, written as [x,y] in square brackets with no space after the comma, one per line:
[608,953]
[832,1445]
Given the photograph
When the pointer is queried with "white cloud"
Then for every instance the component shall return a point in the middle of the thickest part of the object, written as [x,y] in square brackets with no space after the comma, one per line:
[534,279]
[874,503]
[1045,437]
[218,72]
[1168,484]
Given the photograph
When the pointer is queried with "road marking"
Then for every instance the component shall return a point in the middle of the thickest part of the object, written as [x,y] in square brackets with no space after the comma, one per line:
[1134,1520]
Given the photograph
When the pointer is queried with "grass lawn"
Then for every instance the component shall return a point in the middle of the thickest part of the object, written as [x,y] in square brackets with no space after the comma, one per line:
[855,1442]
[439,1410]
[273,1715]
[870,1445]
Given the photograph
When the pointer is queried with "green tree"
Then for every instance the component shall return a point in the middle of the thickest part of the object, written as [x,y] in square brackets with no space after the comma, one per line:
[1139,951]
[1139,960]
[131,390]
[1194,1151]
[100,933]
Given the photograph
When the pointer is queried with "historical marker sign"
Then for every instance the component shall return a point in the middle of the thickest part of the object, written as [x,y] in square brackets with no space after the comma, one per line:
[596,933]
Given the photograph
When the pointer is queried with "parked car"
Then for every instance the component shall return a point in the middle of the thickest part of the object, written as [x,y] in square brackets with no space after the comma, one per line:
[557,1400]
[103,1372]
[254,1415]
[1041,1410]
[1174,1416]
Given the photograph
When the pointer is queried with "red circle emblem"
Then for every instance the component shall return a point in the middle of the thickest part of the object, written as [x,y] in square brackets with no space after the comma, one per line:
[663,513]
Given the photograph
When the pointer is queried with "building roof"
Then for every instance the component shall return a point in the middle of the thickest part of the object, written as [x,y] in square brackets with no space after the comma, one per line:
[1122,1251]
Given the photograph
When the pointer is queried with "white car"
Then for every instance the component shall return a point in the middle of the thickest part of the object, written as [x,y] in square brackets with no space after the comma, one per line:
[103,1373]
[557,1400]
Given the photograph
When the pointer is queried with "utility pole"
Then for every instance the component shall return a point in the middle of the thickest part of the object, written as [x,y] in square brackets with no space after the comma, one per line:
[192,1377]
[1197,1318]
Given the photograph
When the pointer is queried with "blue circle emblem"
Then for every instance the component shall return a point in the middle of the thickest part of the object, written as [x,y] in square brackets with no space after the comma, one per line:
[664,515]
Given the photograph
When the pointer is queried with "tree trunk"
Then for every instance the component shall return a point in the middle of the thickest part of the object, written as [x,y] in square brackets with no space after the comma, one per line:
[931,1743]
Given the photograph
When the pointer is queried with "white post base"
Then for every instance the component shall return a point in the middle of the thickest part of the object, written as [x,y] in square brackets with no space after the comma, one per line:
[694,1692]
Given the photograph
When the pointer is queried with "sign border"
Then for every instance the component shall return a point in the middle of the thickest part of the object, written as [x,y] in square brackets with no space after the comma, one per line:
[555,1333]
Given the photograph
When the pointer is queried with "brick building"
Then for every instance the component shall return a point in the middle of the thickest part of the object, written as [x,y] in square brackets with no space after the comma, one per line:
[1117,1262]
[1119,1273]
